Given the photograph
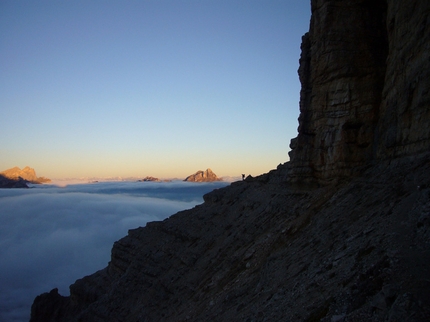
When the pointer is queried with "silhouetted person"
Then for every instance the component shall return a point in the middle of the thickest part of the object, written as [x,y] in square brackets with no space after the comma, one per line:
[243,176]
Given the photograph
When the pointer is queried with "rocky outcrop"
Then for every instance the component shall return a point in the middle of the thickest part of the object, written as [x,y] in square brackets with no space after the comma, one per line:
[339,233]
[203,176]
[28,174]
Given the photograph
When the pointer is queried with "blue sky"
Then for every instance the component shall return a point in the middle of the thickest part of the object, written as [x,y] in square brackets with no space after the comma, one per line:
[137,88]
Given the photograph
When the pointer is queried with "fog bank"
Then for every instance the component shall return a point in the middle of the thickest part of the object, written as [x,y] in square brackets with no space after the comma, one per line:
[50,236]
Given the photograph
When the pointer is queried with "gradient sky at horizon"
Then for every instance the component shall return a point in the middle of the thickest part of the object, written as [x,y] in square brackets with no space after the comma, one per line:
[161,88]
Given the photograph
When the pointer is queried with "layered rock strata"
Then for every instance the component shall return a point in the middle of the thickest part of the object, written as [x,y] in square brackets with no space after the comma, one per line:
[404,114]
[365,87]
[339,233]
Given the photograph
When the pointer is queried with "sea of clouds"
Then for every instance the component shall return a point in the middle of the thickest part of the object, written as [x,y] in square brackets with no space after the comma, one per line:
[51,235]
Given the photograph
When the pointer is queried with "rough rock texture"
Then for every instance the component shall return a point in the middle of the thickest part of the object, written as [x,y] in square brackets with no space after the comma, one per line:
[339,233]
[404,116]
[365,86]
[28,174]
[203,176]
[265,250]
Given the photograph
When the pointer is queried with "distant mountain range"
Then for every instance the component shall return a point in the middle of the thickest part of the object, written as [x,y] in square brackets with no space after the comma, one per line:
[18,178]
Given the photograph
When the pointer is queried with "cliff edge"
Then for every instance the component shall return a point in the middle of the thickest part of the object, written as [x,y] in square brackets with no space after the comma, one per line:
[339,233]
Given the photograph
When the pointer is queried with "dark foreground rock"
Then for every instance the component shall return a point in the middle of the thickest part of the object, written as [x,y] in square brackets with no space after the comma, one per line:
[339,233]
[266,250]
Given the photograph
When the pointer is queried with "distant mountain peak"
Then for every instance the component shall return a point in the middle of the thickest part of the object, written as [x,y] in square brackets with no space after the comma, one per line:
[203,176]
[27,174]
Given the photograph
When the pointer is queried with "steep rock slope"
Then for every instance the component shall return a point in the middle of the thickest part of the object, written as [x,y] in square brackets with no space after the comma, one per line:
[339,233]
[264,250]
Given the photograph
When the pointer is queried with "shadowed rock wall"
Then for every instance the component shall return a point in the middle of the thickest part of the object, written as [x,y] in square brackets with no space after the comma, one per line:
[404,115]
[365,80]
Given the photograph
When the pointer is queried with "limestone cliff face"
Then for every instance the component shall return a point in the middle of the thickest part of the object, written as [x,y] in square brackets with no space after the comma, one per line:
[203,176]
[404,113]
[271,249]
[365,80]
